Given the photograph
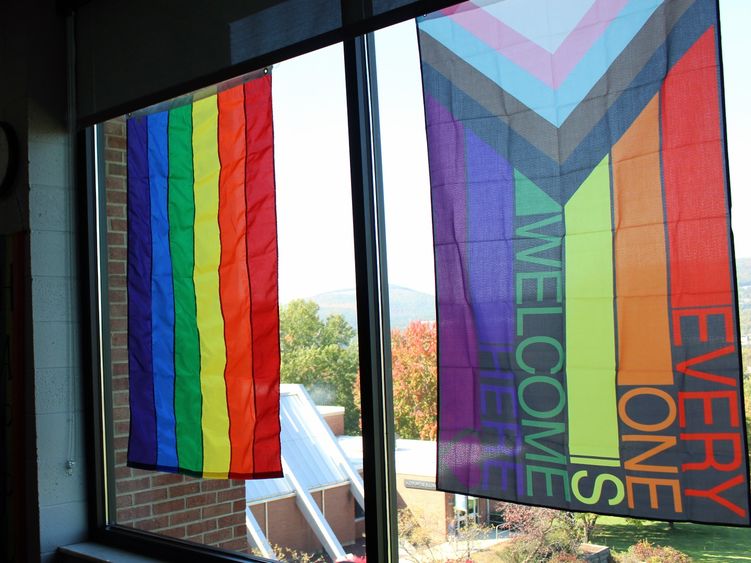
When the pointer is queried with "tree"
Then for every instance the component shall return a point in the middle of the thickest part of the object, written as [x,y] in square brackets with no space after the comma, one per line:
[542,533]
[414,376]
[322,355]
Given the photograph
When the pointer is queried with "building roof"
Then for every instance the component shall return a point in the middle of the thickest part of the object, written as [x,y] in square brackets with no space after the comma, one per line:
[307,447]
[413,457]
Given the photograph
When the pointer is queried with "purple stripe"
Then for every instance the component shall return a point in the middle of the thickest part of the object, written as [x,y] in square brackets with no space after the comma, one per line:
[490,202]
[553,68]
[142,444]
[457,345]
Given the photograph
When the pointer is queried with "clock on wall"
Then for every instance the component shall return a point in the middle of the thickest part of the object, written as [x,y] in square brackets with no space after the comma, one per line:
[8,156]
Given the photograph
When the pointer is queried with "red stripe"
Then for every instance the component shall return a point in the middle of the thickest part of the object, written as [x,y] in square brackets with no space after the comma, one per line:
[233,280]
[694,176]
[262,256]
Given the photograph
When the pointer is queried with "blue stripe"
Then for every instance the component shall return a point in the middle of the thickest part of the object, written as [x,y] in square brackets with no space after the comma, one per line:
[162,298]
[553,105]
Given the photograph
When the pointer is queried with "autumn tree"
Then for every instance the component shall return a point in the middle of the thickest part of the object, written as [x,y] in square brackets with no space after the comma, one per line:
[322,355]
[414,358]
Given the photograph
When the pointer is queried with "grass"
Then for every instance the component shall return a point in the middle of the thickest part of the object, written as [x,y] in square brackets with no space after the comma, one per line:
[703,543]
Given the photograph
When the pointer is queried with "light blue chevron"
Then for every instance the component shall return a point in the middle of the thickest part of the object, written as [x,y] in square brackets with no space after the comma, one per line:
[553,105]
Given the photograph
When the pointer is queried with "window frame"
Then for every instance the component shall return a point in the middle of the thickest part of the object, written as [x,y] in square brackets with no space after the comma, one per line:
[372,311]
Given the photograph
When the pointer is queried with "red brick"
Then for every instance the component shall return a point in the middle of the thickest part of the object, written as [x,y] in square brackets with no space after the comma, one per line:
[121,428]
[116,211]
[133,513]
[174,532]
[212,538]
[114,127]
[217,510]
[121,444]
[116,268]
[113,184]
[185,489]
[166,479]
[117,253]
[120,413]
[169,506]
[214,485]
[130,485]
[151,524]
[122,473]
[117,197]
[118,311]
[231,494]
[184,517]
[118,295]
[119,339]
[115,239]
[230,521]
[114,169]
[241,531]
[114,155]
[120,398]
[118,225]
[120,457]
[117,282]
[239,505]
[150,496]
[201,527]
[120,368]
[124,501]
[238,544]
[119,354]
[200,500]
[116,142]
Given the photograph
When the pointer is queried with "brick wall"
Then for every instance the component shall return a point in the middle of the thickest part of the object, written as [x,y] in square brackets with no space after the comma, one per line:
[210,512]
[288,527]
[334,418]
[433,509]
[339,510]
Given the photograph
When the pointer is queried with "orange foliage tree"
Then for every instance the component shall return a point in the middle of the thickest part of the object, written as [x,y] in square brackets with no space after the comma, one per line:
[414,375]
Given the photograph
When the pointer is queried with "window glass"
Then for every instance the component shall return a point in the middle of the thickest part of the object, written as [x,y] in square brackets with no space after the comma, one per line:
[315,510]
[438,526]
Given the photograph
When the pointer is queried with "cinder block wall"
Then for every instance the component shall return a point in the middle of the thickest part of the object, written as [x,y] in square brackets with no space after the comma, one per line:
[210,512]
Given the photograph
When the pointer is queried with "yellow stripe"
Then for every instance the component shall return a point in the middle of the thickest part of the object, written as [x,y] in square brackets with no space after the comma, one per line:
[215,419]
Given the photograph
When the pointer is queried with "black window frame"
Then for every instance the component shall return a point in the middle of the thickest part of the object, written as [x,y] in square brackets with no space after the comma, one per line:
[372,310]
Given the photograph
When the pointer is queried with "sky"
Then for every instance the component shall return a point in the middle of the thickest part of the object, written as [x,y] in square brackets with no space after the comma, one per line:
[312,160]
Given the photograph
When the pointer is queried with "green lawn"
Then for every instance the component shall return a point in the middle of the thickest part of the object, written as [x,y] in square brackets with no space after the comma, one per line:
[702,543]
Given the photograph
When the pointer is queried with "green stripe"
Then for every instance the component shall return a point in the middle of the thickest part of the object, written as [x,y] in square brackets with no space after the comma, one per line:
[187,356]
[590,339]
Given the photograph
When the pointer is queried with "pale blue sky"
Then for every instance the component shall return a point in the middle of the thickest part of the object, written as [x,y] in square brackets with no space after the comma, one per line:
[312,158]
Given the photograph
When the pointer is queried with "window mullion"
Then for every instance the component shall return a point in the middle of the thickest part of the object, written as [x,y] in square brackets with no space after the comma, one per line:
[372,305]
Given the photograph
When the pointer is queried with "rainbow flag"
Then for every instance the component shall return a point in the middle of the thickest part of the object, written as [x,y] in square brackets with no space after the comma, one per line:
[589,354]
[203,318]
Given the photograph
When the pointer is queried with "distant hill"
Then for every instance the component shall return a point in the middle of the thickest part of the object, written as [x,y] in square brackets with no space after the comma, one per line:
[405,304]
[409,305]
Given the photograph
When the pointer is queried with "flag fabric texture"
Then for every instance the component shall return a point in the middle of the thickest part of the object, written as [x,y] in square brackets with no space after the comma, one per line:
[203,317]
[587,315]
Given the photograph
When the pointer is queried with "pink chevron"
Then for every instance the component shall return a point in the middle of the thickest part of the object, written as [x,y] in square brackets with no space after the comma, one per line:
[552,69]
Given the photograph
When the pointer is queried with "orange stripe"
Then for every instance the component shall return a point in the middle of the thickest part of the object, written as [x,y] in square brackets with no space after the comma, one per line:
[234,287]
[644,356]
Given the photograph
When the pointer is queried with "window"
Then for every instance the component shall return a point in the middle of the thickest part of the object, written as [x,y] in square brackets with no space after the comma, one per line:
[216,513]
[304,512]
